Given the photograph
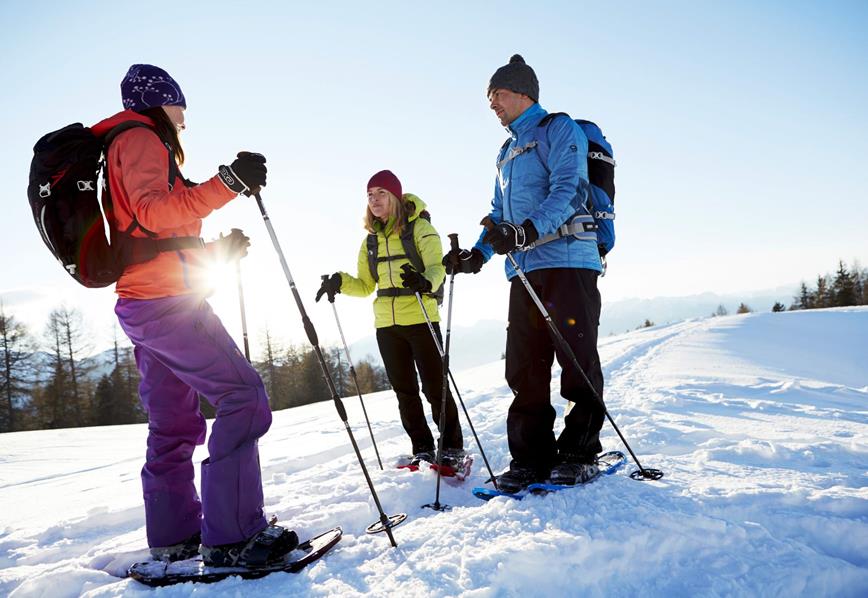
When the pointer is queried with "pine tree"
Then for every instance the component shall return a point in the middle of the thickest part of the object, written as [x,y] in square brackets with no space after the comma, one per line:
[271,371]
[16,361]
[720,311]
[804,299]
[116,398]
[340,372]
[63,401]
[367,376]
[843,287]
[778,307]
[821,295]
[743,309]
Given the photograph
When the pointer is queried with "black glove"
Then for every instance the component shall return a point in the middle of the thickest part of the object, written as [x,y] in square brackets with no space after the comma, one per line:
[413,280]
[246,174]
[462,260]
[506,236]
[331,285]
[231,247]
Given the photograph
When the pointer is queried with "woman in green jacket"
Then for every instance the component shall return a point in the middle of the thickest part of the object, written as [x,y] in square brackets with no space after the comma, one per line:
[403,335]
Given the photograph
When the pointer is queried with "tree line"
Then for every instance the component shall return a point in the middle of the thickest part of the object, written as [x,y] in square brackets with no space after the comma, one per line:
[53,380]
[845,288]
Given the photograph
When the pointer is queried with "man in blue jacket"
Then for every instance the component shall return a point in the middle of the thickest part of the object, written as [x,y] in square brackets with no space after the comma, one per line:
[538,214]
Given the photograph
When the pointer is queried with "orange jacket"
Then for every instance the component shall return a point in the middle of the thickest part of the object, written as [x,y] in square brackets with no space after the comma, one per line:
[138,176]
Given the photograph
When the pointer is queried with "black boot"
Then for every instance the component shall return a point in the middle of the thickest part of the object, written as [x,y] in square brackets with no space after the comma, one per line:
[517,478]
[186,549]
[574,469]
[268,546]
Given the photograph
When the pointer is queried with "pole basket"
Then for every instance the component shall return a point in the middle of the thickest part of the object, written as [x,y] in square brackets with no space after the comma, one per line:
[393,521]
[645,474]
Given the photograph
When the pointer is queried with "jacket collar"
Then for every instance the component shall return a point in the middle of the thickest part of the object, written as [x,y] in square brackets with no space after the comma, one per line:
[527,120]
[102,128]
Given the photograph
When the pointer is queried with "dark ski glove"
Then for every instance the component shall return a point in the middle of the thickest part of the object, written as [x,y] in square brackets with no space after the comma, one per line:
[231,247]
[506,236]
[331,285]
[414,281]
[246,174]
[464,261]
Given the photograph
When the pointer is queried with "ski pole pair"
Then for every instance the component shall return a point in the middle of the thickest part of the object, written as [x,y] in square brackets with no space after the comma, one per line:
[447,375]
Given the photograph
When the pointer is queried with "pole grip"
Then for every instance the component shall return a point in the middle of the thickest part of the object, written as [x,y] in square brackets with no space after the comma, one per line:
[453,242]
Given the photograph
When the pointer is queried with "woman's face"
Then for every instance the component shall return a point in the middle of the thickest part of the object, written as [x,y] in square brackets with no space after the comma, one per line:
[378,202]
[176,115]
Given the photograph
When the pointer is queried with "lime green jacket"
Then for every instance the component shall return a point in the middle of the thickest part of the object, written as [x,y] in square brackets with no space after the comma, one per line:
[403,310]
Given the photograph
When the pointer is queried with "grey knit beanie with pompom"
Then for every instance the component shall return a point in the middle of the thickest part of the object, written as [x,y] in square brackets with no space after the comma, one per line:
[515,76]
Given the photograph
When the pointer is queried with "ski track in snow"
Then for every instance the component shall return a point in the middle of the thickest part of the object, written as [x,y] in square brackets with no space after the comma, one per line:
[758,421]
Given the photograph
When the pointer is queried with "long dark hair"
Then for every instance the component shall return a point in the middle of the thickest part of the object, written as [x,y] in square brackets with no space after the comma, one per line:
[166,131]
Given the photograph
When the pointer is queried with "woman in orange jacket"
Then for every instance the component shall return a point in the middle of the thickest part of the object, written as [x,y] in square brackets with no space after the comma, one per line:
[182,349]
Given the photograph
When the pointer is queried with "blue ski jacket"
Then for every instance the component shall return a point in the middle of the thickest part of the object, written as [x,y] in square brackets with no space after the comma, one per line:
[547,194]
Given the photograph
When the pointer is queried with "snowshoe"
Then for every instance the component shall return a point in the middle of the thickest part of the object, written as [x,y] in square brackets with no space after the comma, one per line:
[162,573]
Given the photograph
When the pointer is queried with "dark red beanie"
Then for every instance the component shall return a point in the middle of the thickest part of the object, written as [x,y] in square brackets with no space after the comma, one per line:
[388,181]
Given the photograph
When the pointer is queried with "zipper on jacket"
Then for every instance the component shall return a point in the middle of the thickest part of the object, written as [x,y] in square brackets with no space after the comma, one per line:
[391,281]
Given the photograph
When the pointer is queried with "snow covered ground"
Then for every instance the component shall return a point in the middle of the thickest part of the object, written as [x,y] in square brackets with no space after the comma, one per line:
[759,422]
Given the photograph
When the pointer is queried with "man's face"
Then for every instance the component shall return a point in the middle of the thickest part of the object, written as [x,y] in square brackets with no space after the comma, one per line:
[508,105]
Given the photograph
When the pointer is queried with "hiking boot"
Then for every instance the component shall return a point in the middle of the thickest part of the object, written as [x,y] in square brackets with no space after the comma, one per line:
[181,551]
[268,546]
[574,469]
[427,456]
[453,458]
[517,478]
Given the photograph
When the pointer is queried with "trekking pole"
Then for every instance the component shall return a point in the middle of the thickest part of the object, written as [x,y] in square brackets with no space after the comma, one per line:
[385,523]
[643,473]
[444,389]
[355,379]
[243,311]
[454,240]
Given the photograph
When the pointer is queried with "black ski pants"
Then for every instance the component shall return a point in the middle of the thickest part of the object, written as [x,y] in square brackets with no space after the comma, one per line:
[571,297]
[403,349]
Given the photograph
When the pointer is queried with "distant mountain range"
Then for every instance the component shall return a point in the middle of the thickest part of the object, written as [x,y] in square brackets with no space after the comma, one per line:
[485,341]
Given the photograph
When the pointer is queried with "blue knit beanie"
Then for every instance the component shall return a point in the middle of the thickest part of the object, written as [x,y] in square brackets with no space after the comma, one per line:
[147,86]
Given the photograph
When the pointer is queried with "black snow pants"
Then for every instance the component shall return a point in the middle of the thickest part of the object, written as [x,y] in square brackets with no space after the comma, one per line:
[403,349]
[571,297]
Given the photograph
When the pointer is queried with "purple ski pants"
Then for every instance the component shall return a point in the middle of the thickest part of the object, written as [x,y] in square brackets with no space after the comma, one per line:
[182,350]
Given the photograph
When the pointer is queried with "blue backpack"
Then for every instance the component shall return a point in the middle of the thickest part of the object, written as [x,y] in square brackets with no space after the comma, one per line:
[601,175]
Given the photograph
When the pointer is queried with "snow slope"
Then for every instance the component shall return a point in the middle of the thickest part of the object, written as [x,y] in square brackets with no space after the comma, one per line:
[759,422]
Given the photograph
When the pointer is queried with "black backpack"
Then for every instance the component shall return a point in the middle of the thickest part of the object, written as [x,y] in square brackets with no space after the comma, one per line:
[64,197]
[411,253]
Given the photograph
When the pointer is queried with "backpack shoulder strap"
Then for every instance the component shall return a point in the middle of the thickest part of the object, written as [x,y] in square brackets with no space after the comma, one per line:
[408,241]
[372,248]
[541,135]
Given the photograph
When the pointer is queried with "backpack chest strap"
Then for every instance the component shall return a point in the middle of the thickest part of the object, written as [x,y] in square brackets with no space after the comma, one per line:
[515,152]
[581,226]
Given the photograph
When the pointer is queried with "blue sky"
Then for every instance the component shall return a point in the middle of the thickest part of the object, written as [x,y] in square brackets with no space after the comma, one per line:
[740,131]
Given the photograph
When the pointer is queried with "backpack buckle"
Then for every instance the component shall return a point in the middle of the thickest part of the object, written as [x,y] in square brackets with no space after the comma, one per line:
[45,190]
